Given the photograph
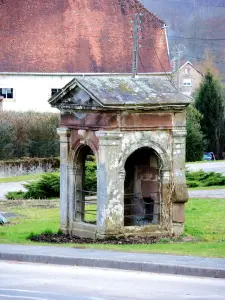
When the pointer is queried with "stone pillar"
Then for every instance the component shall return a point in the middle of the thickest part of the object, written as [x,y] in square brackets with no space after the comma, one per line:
[79,195]
[110,219]
[71,197]
[64,134]
[180,195]
[166,207]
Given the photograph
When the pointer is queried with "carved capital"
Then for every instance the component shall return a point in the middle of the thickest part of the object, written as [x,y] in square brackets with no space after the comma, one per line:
[109,135]
[109,138]
[179,132]
[64,134]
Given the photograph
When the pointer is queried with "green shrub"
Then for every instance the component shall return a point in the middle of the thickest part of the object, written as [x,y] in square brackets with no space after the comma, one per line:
[214,181]
[47,232]
[204,179]
[28,134]
[15,195]
[193,184]
[47,186]
[164,240]
[90,176]
[32,235]
[195,141]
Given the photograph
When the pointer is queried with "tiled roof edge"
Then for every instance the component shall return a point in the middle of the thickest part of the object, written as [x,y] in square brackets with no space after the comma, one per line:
[137,2]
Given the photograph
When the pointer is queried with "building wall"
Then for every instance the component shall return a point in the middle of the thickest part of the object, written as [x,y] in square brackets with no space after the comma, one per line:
[31,92]
[21,167]
[84,36]
[112,148]
[194,76]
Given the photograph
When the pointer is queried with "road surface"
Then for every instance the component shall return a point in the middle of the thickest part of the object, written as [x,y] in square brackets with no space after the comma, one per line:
[206,166]
[47,282]
[213,166]
[219,193]
[10,187]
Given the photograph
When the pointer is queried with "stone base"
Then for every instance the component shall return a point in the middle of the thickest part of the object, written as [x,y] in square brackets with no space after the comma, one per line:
[84,230]
[142,231]
[178,229]
[178,213]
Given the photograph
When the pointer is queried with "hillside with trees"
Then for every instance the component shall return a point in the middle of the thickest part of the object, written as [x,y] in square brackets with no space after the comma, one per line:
[199,25]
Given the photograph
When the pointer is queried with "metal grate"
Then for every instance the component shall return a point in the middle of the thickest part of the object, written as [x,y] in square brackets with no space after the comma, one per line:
[88,206]
[139,211]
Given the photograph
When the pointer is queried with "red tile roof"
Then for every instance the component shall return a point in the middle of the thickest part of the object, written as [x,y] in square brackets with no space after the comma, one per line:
[78,36]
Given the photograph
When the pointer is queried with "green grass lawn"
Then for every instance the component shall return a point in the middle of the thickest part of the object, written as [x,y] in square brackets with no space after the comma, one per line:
[204,221]
[22,178]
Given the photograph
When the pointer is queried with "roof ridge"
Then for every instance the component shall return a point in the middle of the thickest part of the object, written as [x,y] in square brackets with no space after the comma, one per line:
[96,47]
[142,6]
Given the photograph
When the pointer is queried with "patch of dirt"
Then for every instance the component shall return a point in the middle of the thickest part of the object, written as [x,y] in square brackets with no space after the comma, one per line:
[64,238]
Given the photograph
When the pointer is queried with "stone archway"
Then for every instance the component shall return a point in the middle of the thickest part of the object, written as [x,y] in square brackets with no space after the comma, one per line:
[142,188]
[133,142]
[149,142]
[85,199]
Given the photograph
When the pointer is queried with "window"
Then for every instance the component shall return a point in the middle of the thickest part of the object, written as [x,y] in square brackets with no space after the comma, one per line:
[187,82]
[6,93]
[187,71]
[54,91]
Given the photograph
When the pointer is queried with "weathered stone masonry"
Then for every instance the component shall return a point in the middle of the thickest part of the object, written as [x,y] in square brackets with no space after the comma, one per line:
[136,128]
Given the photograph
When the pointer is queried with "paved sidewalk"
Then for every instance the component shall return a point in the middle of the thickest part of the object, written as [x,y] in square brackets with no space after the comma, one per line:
[207,166]
[158,263]
[10,187]
[219,193]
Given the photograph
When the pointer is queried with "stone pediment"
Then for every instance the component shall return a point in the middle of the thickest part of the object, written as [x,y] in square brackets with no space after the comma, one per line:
[119,93]
[74,96]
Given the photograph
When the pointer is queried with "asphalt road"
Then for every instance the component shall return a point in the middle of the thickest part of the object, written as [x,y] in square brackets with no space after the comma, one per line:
[47,282]
[219,193]
[10,187]
[206,166]
[217,166]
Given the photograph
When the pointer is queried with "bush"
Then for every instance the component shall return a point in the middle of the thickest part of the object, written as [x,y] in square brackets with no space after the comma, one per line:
[6,139]
[15,195]
[193,184]
[28,134]
[90,176]
[195,142]
[48,186]
[204,179]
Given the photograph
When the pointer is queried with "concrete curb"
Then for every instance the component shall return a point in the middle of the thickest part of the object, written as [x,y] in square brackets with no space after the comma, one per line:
[116,264]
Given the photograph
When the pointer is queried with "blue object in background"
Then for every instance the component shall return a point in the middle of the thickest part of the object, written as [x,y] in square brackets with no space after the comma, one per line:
[2,220]
[208,156]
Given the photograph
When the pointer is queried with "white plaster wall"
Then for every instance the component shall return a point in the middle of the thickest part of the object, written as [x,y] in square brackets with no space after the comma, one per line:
[31,92]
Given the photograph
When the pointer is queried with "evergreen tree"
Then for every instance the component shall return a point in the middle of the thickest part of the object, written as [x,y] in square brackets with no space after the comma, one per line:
[210,103]
[195,142]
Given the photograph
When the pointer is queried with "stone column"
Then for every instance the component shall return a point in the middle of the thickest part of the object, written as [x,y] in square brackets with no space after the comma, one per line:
[180,195]
[64,134]
[110,219]
[79,196]
[71,197]
[166,208]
